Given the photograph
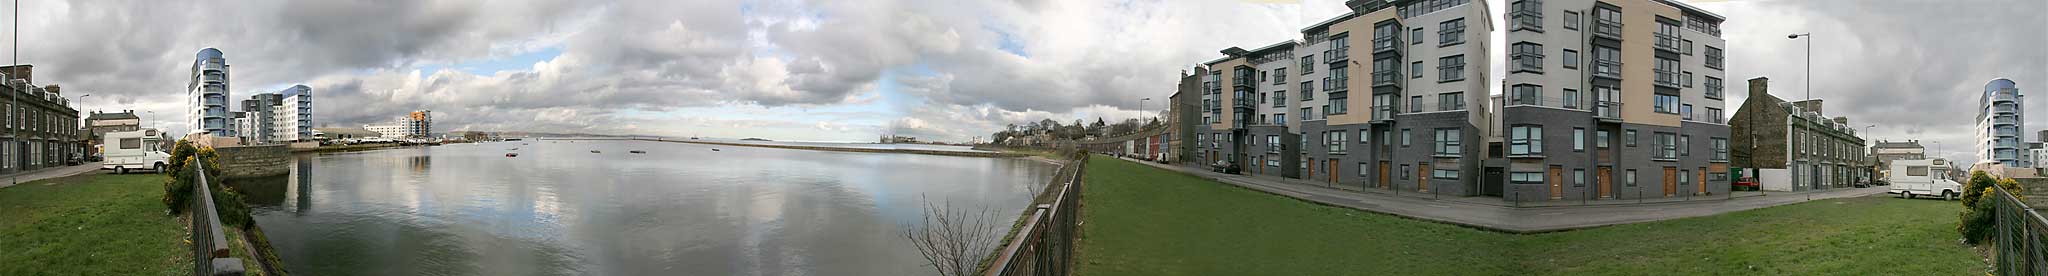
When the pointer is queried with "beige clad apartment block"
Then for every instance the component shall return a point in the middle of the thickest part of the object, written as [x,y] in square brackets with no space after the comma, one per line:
[1359,80]
[1639,61]
[1228,67]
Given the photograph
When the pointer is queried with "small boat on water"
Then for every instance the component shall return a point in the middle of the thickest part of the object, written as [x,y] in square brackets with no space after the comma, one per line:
[596,151]
[638,151]
[511,154]
[513,149]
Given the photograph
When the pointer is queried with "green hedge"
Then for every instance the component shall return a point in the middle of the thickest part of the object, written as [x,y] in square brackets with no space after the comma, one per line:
[178,188]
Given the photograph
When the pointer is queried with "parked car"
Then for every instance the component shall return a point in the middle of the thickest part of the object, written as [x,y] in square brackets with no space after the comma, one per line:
[1746,184]
[1914,178]
[1223,166]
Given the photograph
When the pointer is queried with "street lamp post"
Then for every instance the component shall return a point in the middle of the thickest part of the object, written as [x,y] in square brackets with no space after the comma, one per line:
[1809,61]
[1141,110]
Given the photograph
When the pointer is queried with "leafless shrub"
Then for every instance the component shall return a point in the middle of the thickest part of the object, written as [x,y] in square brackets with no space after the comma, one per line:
[954,240]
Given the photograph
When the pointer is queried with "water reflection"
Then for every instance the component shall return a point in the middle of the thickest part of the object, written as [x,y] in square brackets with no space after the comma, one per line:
[679,209]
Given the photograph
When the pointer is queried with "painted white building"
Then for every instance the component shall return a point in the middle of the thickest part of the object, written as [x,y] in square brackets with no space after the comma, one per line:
[1999,124]
[295,115]
[206,95]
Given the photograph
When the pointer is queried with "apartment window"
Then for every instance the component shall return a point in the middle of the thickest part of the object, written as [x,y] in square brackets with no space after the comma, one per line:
[1308,64]
[1304,113]
[1685,145]
[1525,177]
[1450,101]
[1578,139]
[1713,87]
[1628,137]
[1444,174]
[1667,71]
[1525,140]
[1451,32]
[1280,118]
[1262,76]
[1684,177]
[1308,89]
[1606,60]
[1668,145]
[1600,138]
[1629,177]
[1571,20]
[1571,59]
[1685,111]
[1415,103]
[1337,105]
[1404,171]
[1685,46]
[1336,141]
[1451,68]
[1415,70]
[1415,35]
[1685,79]
[1447,142]
[1362,168]
[1667,104]
[1528,57]
[1405,135]
[1279,75]
[1714,115]
[1578,178]
[1713,57]
[1720,146]
[1280,98]
[1525,94]
[1526,15]
[1571,98]
[1364,137]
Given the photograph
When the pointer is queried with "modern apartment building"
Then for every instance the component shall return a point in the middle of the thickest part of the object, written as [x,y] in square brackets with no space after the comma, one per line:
[1999,124]
[1399,113]
[1792,147]
[261,123]
[413,125]
[206,95]
[1613,99]
[295,114]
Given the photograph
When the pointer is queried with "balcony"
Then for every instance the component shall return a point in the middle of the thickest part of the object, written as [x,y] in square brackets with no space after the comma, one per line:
[2004,120]
[1668,42]
[1243,103]
[1337,55]
[215,101]
[212,66]
[2005,108]
[1335,84]
[1607,29]
[1525,19]
[1667,78]
[213,78]
[1607,69]
[1606,110]
[2004,97]
[1551,102]
[1386,44]
[1387,78]
[1384,112]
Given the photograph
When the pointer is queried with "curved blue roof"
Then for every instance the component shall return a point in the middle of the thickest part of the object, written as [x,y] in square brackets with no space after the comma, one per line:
[209,53]
[1999,84]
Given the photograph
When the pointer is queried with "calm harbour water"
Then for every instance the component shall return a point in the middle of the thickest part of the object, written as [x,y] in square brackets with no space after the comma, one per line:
[680,209]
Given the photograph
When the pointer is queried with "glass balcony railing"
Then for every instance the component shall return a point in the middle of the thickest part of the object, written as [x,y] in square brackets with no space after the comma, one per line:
[1387,78]
[1667,78]
[1607,109]
[1384,112]
[1668,42]
[1607,68]
[1336,55]
[1607,28]
[2003,97]
[1386,43]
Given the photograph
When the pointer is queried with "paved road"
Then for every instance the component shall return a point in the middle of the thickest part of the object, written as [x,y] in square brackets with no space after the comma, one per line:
[48,173]
[1461,211]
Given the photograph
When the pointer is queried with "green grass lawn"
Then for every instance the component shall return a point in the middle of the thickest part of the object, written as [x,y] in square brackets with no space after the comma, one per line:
[96,224]
[1141,220]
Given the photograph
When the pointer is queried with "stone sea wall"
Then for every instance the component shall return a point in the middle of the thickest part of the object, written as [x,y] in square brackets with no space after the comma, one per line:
[254,161]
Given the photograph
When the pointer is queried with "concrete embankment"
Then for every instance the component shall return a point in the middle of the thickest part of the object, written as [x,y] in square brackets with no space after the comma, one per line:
[909,151]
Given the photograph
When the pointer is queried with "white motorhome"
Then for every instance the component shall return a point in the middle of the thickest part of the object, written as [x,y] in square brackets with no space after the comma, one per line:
[1911,178]
[134,150]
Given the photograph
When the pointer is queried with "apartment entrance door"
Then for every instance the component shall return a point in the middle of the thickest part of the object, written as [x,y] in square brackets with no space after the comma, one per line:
[1385,175]
[1331,169]
[1556,182]
[1606,177]
[1422,179]
[1700,182]
[1670,181]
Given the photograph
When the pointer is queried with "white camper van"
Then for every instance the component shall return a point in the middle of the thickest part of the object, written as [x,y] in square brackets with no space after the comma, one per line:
[1910,178]
[134,150]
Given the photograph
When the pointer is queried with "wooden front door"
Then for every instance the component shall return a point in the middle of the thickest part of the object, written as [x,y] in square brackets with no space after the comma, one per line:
[1606,177]
[1385,174]
[1670,181]
[1332,170]
[1556,182]
[1422,181]
[1311,169]
[1700,183]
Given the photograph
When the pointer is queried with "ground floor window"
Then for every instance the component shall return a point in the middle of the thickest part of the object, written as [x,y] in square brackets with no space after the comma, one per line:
[1525,177]
[1362,168]
[1444,174]
[1578,178]
[1629,178]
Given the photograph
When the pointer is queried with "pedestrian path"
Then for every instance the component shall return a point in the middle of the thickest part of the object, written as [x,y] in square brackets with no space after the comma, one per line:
[47,173]
[1477,212]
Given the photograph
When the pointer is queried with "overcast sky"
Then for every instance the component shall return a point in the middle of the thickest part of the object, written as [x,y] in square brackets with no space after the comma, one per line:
[939,69]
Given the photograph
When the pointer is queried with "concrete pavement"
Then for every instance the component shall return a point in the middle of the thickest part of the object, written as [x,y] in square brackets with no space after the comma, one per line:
[47,173]
[1474,212]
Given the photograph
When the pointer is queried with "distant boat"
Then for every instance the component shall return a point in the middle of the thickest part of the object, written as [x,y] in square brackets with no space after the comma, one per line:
[714,149]
[514,149]
[693,138]
[596,151]
[511,154]
[638,151]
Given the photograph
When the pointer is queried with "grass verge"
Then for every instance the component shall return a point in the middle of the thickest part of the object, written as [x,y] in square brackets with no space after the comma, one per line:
[1148,221]
[92,224]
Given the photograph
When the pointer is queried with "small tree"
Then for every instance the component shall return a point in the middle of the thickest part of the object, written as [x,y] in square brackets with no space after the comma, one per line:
[1979,217]
[954,240]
